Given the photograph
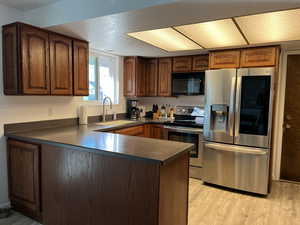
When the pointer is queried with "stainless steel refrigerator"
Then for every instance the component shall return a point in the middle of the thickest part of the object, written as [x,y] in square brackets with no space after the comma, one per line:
[237,128]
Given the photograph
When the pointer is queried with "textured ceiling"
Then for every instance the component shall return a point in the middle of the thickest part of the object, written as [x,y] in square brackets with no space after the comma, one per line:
[25,5]
[108,33]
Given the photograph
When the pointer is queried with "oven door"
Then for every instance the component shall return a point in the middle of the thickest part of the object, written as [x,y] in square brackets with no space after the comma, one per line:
[188,135]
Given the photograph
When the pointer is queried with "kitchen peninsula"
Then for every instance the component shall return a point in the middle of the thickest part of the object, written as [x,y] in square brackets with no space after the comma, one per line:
[81,175]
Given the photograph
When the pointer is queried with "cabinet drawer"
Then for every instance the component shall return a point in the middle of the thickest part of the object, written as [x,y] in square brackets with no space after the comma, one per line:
[132,131]
[182,64]
[258,57]
[200,62]
[224,59]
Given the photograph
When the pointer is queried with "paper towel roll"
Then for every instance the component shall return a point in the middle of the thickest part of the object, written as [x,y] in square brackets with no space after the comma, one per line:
[83,115]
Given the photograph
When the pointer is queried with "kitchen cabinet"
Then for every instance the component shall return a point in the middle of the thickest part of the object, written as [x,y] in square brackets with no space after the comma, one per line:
[61,70]
[129,76]
[151,77]
[141,77]
[131,131]
[26,70]
[164,76]
[39,62]
[80,67]
[156,131]
[182,64]
[224,59]
[255,57]
[24,177]
[200,63]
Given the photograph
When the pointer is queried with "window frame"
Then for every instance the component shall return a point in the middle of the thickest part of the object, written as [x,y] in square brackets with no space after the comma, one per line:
[97,53]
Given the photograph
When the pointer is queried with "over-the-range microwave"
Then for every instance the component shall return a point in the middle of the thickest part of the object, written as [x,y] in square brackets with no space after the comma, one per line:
[188,83]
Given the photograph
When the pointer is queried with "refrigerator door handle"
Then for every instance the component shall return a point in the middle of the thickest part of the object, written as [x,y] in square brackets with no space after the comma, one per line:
[238,106]
[231,106]
[237,149]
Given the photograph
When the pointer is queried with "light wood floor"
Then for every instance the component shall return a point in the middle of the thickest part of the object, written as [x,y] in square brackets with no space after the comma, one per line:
[214,206]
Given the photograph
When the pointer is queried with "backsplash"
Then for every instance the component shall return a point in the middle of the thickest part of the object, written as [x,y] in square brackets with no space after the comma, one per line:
[173,101]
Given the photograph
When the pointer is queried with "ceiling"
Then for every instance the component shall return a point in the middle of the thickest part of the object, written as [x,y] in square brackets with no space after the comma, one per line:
[25,5]
[109,33]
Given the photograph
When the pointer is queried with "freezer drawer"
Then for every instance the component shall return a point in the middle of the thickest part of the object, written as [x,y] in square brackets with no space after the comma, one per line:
[243,168]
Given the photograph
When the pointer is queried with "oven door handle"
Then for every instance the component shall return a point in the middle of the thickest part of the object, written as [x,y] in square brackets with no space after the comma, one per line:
[183,130]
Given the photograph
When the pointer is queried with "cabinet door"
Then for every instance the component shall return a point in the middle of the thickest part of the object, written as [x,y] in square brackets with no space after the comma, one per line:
[61,65]
[80,68]
[24,177]
[164,76]
[141,77]
[224,59]
[151,77]
[200,63]
[254,57]
[35,61]
[182,64]
[11,78]
[157,131]
[129,76]
[132,131]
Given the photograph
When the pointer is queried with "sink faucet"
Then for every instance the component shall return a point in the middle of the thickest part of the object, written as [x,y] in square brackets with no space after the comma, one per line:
[103,104]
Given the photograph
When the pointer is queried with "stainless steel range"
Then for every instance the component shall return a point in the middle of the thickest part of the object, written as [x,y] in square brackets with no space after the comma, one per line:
[188,127]
[237,128]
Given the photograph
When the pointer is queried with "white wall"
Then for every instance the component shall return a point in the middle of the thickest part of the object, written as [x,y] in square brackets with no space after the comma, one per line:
[14,109]
[66,11]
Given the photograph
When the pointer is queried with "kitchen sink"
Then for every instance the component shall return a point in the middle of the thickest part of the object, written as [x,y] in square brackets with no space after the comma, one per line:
[115,123]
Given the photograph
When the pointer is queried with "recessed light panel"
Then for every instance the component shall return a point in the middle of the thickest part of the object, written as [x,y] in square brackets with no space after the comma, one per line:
[271,27]
[167,39]
[214,34]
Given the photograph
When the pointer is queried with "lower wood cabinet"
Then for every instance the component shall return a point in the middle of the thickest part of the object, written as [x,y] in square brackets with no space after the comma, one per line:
[132,131]
[24,177]
[80,187]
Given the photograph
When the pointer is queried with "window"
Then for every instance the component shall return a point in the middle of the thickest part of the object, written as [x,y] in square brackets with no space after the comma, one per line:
[103,76]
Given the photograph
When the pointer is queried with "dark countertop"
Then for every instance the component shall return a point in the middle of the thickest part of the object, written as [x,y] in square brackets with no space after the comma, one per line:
[93,138]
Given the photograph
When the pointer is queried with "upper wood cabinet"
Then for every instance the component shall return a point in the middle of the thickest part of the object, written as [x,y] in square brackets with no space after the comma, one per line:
[80,67]
[39,62]
[61,65]
[224,59]
[141,77]
[200,62]
[255,57]
[129,76]
[182,64]
[164,76]
[24,177]
[151,77]
[25,60]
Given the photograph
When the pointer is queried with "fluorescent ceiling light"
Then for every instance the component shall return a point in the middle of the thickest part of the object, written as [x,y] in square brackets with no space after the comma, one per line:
[167,39]
[214,34]
[271,27]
